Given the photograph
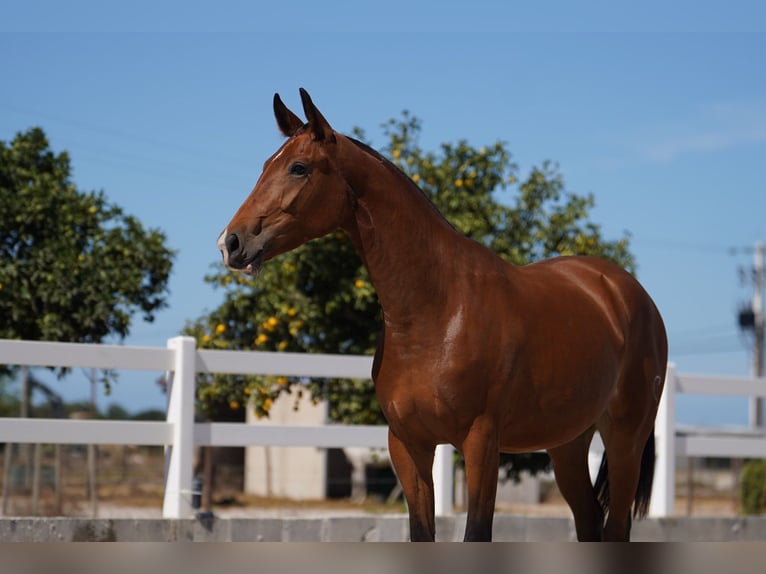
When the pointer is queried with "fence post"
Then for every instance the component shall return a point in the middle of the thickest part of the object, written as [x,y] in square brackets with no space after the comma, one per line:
[443,473]
[664,490]
[179,455]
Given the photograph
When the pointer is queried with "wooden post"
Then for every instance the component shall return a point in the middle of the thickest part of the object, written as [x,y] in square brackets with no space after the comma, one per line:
[92,485]
[268,468]
[690,485]
[58,480]
[26,396]
[7,460]
[208,480]
[38,455]
[737,465]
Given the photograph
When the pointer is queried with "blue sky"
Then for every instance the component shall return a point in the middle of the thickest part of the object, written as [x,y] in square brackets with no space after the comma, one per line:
[658,111]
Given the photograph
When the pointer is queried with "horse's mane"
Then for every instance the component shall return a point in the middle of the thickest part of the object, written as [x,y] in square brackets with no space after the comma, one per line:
[370,150]
[391,166]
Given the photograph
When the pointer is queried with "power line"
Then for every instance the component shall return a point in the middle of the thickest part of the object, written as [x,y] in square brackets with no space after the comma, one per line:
[687,246]
[711,351]
[708,329]
[710,344]
[116,133]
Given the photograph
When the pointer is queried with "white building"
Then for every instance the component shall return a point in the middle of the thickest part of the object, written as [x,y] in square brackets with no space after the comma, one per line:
[288,472]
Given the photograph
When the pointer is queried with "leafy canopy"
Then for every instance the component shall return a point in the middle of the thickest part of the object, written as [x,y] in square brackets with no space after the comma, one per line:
[318,298]
[73,266]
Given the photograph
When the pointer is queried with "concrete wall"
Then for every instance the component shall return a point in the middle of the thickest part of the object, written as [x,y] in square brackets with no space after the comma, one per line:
[528,490]
[373,528]
[288,472]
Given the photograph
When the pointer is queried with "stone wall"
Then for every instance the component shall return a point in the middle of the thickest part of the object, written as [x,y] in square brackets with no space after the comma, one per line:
[373,528]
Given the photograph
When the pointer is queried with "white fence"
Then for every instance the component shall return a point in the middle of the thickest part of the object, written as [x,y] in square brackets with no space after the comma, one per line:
[674,440]
[180,434]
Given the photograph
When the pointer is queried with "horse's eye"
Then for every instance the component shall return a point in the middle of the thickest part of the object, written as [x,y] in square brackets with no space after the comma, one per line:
[298,169]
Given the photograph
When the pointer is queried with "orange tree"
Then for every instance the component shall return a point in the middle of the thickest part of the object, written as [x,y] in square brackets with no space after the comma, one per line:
[73,265]
[318,298]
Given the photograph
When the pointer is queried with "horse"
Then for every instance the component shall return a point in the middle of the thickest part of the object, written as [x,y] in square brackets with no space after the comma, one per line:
[475,352]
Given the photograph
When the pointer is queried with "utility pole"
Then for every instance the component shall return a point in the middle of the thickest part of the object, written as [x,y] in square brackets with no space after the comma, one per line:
[751,318]
[756,403]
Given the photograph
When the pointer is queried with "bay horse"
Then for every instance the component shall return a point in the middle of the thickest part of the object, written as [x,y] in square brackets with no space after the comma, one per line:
[475,352]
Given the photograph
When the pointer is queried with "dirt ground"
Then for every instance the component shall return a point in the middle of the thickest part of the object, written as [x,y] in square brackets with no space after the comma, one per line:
[245,506]
[130,485]
[717,505]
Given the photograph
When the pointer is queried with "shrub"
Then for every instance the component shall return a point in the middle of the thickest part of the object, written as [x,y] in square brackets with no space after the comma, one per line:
[752,494]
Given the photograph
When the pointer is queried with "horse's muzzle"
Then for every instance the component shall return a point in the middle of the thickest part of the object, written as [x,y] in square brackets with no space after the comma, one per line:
[237,255]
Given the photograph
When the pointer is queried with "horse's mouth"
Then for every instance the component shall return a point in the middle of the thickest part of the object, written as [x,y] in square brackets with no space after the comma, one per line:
[255,264]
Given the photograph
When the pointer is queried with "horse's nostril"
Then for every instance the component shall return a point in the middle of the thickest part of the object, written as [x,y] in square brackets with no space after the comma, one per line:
[232,243]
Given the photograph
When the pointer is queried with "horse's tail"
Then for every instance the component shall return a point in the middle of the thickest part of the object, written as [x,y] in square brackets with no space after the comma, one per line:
[645,481]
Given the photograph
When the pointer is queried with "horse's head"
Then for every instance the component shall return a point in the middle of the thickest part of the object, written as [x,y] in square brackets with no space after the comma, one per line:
[298,197]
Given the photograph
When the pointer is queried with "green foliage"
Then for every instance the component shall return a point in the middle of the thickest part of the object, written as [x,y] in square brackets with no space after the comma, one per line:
[117,412]
[9,401]
[150,415]
[511,465]
[318,298]
[73,266]
[752,494]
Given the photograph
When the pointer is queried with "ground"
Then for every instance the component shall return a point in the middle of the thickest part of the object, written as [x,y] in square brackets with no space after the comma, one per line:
[130,485]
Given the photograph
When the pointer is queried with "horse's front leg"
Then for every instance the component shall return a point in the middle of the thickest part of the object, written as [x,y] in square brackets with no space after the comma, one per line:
[482,460]
[413,468]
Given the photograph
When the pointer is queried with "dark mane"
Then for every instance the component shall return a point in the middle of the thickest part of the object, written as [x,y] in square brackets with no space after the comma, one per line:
[369,150]
[393,167]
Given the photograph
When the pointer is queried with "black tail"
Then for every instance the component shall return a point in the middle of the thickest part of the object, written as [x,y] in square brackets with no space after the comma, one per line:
[645,481]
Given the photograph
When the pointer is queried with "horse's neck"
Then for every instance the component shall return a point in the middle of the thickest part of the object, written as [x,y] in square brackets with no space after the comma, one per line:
[406,245]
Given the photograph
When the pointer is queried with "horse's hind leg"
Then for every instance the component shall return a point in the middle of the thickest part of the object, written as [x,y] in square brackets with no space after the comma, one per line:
[414,471]
[623,454]
[627,431]
[570,465]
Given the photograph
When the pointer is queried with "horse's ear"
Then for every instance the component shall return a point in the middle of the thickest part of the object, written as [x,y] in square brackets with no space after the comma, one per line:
[318,126]
[288,122]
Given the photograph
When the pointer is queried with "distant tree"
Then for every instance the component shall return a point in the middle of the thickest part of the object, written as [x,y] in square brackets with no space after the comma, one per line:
[116,412]
[149,415]
[9,397]
[80,407]
[73,266]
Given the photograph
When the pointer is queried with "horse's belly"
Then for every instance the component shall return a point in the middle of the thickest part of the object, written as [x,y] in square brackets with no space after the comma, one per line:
[543,414]
[537,399]
[433,407]
[532,438]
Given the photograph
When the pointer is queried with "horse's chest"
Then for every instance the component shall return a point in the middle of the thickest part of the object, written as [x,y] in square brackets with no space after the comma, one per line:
[421,416]
[430,397]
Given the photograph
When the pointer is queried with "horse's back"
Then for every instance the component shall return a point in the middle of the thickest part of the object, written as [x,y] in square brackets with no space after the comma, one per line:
[604,283]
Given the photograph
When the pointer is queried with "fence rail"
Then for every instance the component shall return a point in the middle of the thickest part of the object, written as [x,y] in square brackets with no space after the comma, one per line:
[674,440]
[180,434]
